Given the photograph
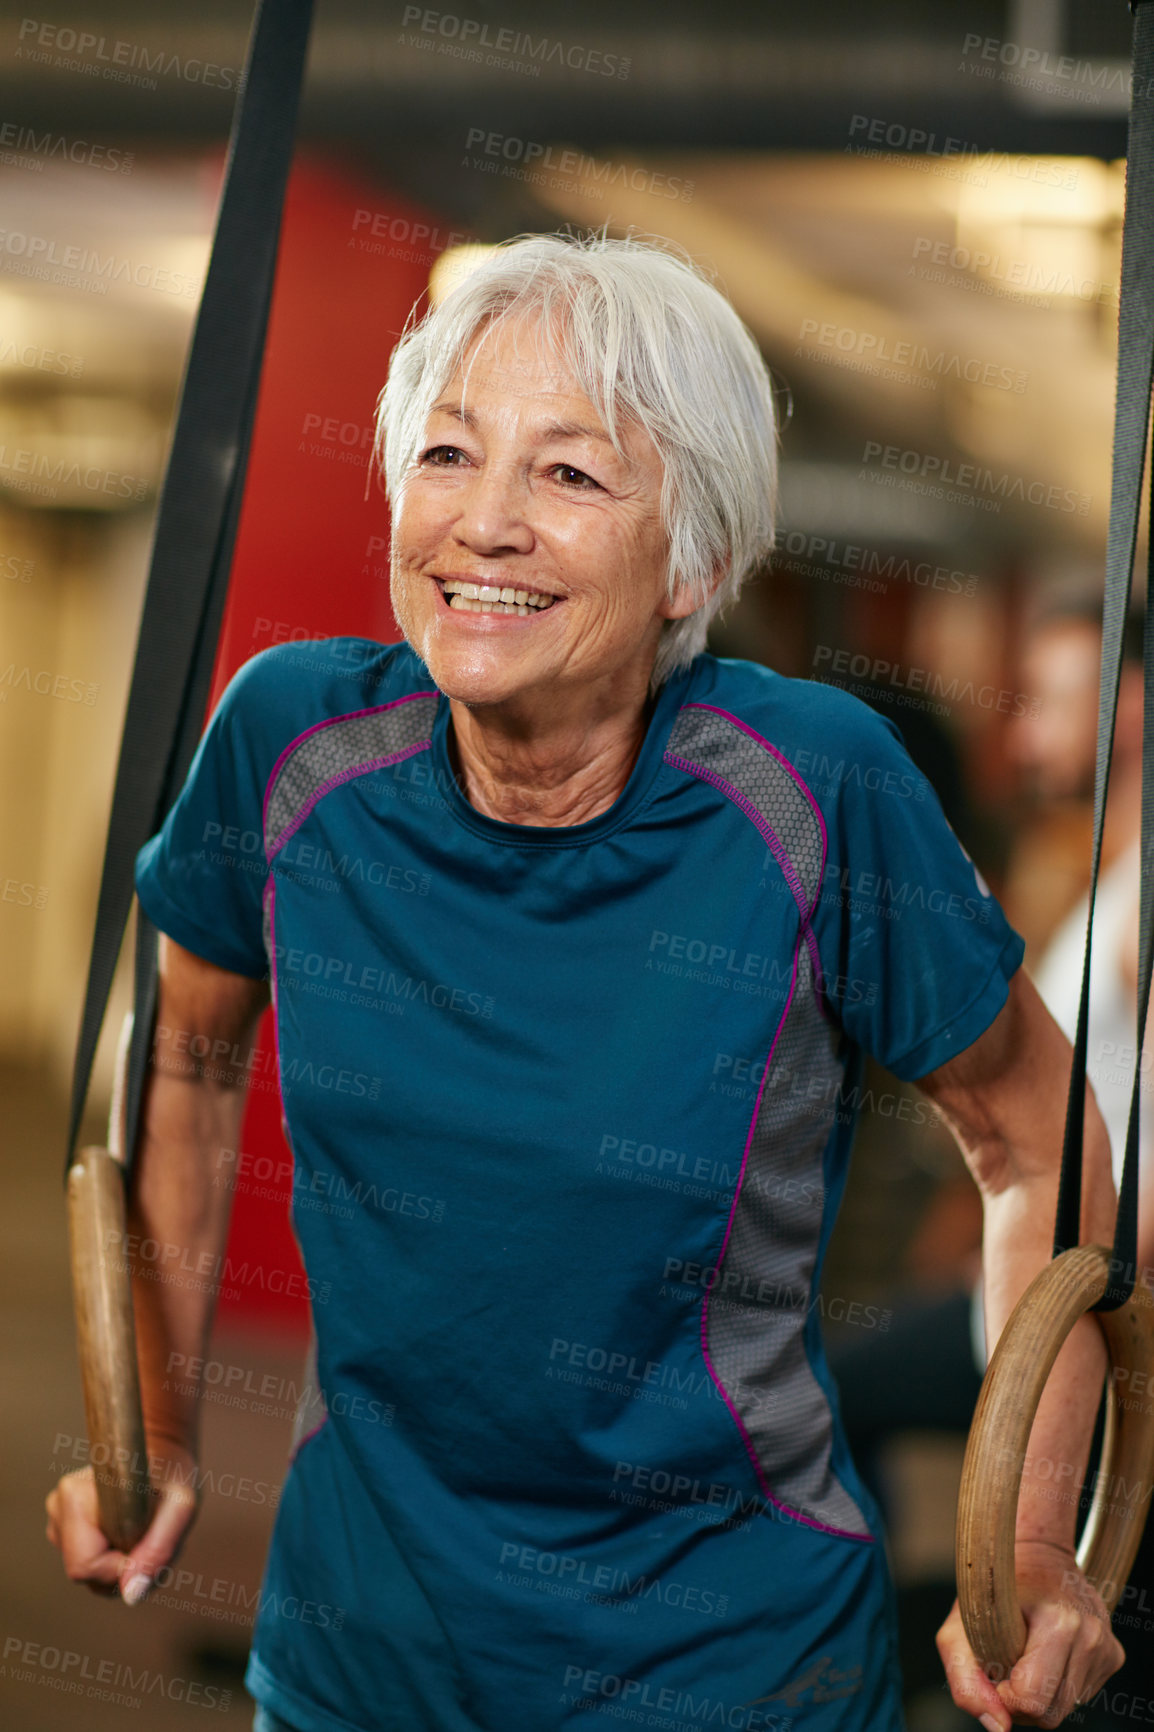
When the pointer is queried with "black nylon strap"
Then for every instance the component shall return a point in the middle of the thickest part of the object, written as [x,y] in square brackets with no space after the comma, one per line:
[1131,422]
[196,522]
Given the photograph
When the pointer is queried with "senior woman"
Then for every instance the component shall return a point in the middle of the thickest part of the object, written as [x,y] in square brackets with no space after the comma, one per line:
[574,965]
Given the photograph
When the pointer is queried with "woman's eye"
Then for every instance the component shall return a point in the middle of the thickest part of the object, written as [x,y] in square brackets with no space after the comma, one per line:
[571,477]
[442,456]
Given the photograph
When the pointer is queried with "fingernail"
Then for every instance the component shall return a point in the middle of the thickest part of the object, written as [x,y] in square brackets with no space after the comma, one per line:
[991,1725]
[135,1589]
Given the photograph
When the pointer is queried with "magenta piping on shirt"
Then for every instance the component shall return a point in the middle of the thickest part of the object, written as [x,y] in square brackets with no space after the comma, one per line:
[309,1435]
[276,1044]
[275,995]
[796,1514]
[790,771]
[345,775]
[331,722]
[271,894]
[770,838]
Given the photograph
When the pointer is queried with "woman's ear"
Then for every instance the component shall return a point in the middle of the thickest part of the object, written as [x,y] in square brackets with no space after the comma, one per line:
[683,602]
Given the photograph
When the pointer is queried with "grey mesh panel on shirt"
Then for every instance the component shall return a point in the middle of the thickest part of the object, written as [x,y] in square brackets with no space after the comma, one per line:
[756,1314]
[330,753]
[338,749]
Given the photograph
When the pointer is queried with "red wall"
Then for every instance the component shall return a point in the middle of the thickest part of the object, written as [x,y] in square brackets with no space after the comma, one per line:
[312,559]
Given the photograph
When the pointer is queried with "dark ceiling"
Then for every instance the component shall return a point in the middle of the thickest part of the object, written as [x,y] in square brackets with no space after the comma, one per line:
[402,80]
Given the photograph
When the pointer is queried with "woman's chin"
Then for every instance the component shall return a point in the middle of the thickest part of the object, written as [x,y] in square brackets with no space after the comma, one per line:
[478,673]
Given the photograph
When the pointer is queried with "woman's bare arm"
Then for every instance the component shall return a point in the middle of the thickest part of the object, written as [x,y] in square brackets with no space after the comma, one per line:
[1005,1099]
[177,1228]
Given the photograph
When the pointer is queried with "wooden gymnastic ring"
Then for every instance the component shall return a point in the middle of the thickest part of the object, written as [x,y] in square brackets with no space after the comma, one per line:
[106,1339]
[992,1472]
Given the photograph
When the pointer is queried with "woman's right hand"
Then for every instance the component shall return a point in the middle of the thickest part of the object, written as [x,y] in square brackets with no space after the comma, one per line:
[74,1526]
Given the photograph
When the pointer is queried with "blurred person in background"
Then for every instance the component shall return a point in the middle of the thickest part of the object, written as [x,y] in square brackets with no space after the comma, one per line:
[579,443]
[1055,748]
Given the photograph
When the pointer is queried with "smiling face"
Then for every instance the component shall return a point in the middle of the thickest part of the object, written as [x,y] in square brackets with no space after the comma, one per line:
[528,555]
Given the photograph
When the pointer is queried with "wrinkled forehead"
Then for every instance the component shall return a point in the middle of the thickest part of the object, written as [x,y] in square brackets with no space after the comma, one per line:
[529,354]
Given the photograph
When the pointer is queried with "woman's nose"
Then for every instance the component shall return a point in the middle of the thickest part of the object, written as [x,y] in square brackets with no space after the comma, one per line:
[494,514]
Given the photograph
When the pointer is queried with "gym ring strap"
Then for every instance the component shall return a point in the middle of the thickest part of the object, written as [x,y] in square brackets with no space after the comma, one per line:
[1087,1277]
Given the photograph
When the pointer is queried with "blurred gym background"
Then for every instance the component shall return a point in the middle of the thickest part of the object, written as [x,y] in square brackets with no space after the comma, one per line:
[917,211]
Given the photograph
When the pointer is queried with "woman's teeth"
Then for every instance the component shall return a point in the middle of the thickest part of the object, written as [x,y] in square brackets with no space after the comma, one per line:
[492,598]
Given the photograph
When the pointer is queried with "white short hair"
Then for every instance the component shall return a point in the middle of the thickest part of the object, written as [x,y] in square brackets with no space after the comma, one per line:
[649,339]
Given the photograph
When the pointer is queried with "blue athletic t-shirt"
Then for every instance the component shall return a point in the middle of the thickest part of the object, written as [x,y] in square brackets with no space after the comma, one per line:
[570,1111]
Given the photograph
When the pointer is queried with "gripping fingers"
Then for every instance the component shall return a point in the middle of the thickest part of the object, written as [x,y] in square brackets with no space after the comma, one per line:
[971,1690]
[160,1545]
[1070,1655]
[1040,1704]
[73,1528]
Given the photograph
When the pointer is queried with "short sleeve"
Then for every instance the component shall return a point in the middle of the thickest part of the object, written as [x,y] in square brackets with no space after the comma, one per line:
[201,878]
[916,952]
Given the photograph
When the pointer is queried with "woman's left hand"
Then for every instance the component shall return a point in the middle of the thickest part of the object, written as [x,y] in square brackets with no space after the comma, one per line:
[1070,1649]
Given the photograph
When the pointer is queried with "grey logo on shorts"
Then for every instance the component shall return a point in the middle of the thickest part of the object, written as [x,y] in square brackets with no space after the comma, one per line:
[823,1678]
